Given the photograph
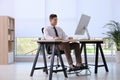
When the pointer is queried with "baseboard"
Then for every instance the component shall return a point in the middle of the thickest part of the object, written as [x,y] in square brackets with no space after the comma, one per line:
[89,58]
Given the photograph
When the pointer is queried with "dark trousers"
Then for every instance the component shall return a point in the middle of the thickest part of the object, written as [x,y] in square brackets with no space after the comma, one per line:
[67,47]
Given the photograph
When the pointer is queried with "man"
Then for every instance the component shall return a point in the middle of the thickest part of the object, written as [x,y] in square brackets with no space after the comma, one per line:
[54,32]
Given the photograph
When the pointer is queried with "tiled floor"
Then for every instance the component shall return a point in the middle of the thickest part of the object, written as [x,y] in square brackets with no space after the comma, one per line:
[21,71]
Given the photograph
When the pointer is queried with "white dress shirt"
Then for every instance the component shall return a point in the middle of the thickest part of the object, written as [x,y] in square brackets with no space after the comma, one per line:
[49,33]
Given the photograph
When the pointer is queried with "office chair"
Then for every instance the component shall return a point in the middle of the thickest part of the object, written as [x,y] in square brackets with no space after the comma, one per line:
[49,52]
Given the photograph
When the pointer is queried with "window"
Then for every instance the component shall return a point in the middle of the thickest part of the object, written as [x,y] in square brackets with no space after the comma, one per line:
[28,47]
[105,46]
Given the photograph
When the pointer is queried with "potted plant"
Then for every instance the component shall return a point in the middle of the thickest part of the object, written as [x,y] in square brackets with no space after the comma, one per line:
[114,34]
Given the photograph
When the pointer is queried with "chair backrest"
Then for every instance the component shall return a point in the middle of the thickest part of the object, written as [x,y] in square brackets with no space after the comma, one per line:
[42,30]
[46,45]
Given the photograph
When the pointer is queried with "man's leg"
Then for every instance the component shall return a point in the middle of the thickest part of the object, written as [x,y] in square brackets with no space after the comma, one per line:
[76,47]
[66,48]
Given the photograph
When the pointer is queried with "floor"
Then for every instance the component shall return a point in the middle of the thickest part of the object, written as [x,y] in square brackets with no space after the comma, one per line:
[21,71]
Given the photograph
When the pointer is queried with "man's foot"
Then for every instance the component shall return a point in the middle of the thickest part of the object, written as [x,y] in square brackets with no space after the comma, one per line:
[72,68]
[80,67]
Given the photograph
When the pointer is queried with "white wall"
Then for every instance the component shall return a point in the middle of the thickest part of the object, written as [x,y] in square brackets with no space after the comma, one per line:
[66,11]
[100,12]
[7,8]
[31,15]
[116,10]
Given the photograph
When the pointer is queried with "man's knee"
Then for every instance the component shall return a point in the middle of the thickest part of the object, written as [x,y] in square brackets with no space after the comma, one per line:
[75,44]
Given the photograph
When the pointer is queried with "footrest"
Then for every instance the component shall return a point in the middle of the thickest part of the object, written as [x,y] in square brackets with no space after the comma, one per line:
[39,68]
[59,70]
[85,67]
[78,71]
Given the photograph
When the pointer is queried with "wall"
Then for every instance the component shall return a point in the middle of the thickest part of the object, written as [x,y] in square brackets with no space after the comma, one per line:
[67,14]
[7,8]
[31,15]
[100,12]
[116,10]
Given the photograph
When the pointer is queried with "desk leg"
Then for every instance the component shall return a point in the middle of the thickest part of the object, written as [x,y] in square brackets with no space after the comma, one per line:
[103,58]
[52,62]
[35,60]
[96,58]
[85,55]
[81,48]
[61,60]
[44,58]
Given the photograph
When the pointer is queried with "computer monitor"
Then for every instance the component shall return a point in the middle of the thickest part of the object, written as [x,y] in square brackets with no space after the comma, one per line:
[82,25]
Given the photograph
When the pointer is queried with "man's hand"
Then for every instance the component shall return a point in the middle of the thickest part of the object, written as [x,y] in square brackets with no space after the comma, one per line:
[70,37]
[57,38]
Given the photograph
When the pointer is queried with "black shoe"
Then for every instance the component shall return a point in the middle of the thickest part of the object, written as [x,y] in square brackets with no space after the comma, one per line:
[72,69]
[80,67]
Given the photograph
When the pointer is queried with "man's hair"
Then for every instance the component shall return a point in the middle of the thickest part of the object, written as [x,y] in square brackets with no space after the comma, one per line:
[52,16]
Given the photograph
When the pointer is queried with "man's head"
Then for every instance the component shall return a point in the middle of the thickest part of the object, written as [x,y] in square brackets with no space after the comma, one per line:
[53,19]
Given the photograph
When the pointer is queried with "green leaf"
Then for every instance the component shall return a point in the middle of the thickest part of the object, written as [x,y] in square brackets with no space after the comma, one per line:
[114,32]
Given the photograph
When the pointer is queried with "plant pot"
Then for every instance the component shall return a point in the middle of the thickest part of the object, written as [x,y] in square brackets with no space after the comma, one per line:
[117,55]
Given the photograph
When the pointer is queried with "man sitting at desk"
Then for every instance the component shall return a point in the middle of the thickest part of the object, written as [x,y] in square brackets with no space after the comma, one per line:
[55,32]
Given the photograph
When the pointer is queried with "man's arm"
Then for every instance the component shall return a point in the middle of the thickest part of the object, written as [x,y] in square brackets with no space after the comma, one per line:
[65,36]
[46,34]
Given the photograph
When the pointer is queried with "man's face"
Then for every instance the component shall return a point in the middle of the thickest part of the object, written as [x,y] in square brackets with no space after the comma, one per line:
[53,21]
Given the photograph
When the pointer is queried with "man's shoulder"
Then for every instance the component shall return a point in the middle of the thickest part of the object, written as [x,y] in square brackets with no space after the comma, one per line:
[59,27]
[47,27]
